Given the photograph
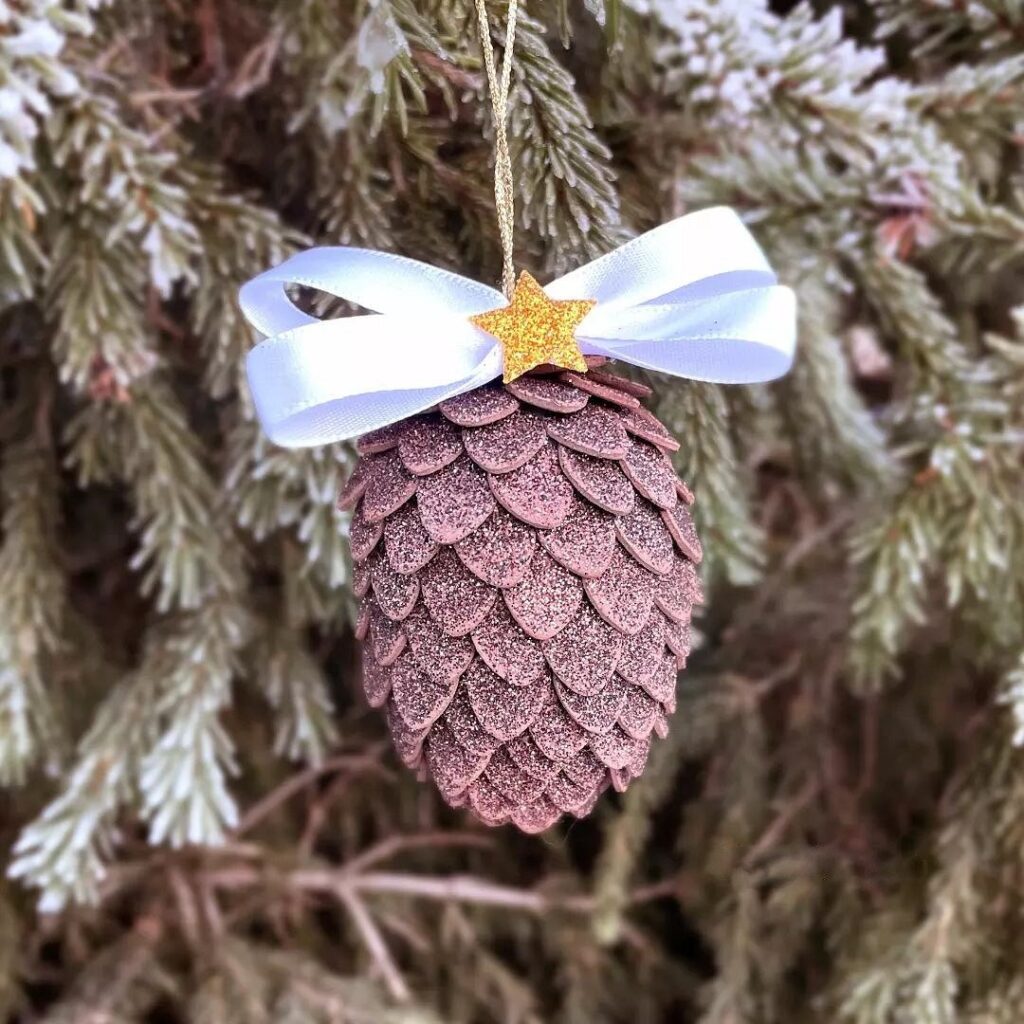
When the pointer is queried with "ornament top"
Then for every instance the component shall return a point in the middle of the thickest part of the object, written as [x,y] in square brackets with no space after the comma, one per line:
[694,298]
[534,329]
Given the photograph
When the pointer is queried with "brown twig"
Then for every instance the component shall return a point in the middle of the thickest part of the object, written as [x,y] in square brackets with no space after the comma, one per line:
[773,834]
[254,70]
[148,97]
[296,783]
[375,944]
[185,903]
[317,813]
[399,844]
[869,745]
[441,888]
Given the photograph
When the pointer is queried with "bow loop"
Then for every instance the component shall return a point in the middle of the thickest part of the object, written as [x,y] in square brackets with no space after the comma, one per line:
[694,298]
[380,281]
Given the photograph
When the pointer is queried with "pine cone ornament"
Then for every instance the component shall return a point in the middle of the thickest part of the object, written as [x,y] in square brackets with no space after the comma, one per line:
[525,557]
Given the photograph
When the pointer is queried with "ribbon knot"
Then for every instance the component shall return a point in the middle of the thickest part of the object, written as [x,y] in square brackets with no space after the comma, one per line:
[694,298]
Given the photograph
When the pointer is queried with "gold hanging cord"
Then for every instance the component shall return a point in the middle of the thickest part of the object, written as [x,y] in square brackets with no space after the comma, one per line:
[504,197]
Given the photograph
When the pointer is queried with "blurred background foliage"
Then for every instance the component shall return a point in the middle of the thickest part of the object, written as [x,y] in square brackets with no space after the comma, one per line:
[202,822]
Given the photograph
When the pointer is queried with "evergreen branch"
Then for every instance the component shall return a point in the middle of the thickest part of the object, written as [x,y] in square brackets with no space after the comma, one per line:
[733,541]
[909,309]
[564,181]
[183,774]
[350,66]
[627,835]
[120,985]
[111,244]
[296,688]
[64,852]
[238,240]
[33,74]
[984,26]
[1012,695]
[839,439]
[32,611]
[274,488]
[22,259]
[895,552]
[147,442]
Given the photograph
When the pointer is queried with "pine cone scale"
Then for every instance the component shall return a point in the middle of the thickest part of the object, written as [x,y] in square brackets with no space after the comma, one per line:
[525,558]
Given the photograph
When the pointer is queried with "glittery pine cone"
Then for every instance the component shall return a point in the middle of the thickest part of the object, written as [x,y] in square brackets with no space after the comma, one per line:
[525,557]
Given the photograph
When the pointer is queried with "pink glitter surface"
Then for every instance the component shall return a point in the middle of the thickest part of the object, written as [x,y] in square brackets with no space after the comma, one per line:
[408,742]
[451,765]
[507,444]
[615,749]
[503,710]
[536,493]
[454,501]
[353,488]
[536,817]
[585,769]
[512,781]
[566,794]
[396,595]
[440,656]
[478,408]
[611,380]
[507,650]
[548,393]
[598,712]
[601,481]
[639,712]
[525,613]
[376,682]
[651,473]
[546,600]
[407,544]
[419,699]
[680,524]
[677,636]
[585,653]
[642,652]
[387,640]
[500,550]
[457,601]
[524,751]
[362,627]
[661,726]
[427,444]
[644,535]
[465,726]
[594,431]
[381,440]
[488,803]
[363,535]
[555,733]
[662,684]
[388,489]
[586,382]
[361,577]
[624,594]
[585,542]
[641,423]
[679,591]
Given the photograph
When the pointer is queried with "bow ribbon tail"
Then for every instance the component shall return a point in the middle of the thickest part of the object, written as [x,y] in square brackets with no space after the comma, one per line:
[724,339]
[333,380]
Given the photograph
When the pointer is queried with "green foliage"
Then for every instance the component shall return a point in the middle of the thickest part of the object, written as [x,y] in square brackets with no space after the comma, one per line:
[203,823]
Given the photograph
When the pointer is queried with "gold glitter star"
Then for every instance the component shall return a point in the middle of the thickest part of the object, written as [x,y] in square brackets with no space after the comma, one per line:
[534,329]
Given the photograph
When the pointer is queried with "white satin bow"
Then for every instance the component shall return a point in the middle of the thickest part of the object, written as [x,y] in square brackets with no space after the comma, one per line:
[694,298]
